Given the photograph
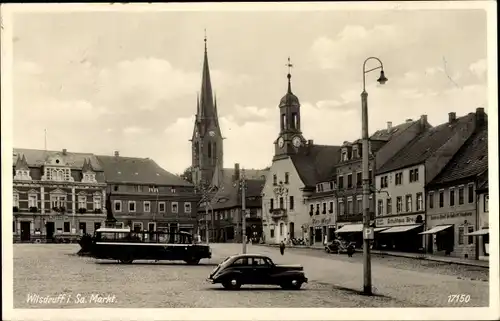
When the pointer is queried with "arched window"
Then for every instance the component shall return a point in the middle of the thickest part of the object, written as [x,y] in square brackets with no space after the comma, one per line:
[283,121]
[295,124]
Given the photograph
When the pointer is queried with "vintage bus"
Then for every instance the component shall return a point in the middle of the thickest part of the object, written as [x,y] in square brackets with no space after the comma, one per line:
[127,246]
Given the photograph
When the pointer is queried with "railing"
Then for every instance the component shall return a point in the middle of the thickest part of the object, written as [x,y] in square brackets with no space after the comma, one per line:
[278,213]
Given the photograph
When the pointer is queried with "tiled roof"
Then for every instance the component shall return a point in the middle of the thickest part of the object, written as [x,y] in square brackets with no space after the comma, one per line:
[249,173]
[315,163]
[229,196]
[425,145]
[37,158]
[470,160]
[120,169]
[387,134]
[483,183]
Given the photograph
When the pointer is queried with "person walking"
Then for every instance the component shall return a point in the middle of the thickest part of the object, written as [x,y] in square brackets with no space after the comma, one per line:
[282,248]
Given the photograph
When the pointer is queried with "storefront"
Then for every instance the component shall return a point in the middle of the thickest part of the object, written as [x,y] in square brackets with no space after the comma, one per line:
[321,230]
[449,234]
[351,233]
[400,233]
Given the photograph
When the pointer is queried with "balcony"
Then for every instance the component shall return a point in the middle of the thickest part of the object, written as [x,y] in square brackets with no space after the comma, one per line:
[277,213]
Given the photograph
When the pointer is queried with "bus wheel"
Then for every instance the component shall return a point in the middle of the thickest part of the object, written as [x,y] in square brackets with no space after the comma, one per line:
[192,261]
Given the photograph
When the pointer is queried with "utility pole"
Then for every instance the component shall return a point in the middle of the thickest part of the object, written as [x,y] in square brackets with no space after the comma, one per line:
[243,213]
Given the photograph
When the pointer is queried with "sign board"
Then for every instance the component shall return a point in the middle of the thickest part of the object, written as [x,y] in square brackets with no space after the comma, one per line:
[398,220]
[444,216]
[368,233]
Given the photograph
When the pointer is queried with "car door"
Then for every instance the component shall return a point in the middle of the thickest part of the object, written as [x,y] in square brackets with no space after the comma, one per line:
[243,268]
[261,271]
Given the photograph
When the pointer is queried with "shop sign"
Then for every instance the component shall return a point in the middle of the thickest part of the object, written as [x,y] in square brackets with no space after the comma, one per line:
[323,221]
[444,216]
[398,220]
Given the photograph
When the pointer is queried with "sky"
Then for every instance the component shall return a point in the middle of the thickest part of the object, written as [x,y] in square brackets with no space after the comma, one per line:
[128,81]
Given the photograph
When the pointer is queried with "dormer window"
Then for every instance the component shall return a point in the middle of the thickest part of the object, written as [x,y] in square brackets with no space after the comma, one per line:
[345,157]
[355,152]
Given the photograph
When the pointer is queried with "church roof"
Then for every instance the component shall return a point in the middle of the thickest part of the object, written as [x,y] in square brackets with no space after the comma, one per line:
[315,163]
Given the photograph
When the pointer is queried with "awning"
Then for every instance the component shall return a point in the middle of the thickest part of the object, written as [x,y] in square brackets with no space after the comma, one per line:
[378,229]
[399,229]
[479,232]
[350,228]
[436,229]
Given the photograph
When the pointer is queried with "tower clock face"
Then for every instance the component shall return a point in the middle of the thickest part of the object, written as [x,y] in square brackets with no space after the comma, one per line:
[281,142]
[296,141]
[211,133]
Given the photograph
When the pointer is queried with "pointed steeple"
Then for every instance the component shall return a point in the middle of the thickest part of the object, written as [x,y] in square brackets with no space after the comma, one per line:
[87,166]
[215,110]
[198,112]
[21,163]
[218,178]
[206,101]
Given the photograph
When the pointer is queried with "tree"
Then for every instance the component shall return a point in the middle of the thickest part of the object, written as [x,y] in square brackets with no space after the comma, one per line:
[186,175]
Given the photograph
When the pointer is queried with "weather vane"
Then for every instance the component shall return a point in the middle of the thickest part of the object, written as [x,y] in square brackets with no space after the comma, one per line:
[289,65]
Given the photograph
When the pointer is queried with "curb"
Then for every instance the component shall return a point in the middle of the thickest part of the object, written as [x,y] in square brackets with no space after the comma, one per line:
[472,263]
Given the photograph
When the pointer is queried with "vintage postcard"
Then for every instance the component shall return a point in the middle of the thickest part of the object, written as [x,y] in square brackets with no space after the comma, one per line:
[250,161]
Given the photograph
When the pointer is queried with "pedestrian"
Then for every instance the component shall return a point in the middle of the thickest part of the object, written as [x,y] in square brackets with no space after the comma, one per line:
[282,248]
[350,250]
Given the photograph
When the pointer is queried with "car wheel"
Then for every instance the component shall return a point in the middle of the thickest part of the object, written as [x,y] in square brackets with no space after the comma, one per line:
[293,284]
[232,284]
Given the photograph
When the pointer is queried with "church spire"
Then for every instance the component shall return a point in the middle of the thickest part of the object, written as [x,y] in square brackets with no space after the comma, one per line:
[206,101]
[289,76]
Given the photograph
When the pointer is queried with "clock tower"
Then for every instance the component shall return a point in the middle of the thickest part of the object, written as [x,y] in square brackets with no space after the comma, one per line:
[290,138]
[206,142]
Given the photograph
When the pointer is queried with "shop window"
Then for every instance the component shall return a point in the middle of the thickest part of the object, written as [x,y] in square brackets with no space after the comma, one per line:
[318,235]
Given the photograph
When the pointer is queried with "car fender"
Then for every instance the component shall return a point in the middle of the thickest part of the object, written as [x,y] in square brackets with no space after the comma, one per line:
[226,275]
[289,274]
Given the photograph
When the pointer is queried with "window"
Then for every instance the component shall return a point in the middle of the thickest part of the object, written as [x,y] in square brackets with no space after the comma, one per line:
[82,202]
[331,208]
[161,207]
[175,207]
[242,261]
[341,207]
[118,206]
[380,207]
[153,189]
[399,204]
[172,190]
[389,206]
[187,207]
[383,181]
[408,203]
[115,188]
[281,229]
[470,239]
[32,200]
[331,185]
[431,199]
[291,203]
[311,209]
[461,235]
[414,175]
[147,206]
[359,179]
[349,181]
[14,227]
[295,124]
[15,200]
[355,153]
[341,182]
[452,196]
[350,210]
[66,227]
[441,198]
[344,155]
[317,209]
[119,225]
[275,179]
[272,204]
[287,177]
[420,202]
[282,203]
[470,187]
[97,202]
[460,195]
[359,204]
[370,177]
[324,208]
[399,178]
[58,201]
[131,206]
[486,201]
[272,233]
[137,226]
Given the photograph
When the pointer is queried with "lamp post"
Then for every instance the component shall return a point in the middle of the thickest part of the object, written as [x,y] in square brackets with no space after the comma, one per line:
[367,279]
[243,186]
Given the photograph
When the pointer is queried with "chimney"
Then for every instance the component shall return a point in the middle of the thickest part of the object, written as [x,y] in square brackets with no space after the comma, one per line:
[409,120]
[65,151]
[480,116]
[389,125]
[236,171]
[310,142]
[117,153]
[423,120]
[452,117]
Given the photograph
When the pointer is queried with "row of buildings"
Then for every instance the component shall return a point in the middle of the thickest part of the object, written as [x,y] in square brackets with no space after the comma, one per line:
[68,194]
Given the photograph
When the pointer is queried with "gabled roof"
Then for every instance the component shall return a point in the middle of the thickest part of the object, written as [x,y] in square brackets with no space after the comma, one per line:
[315,163]
[387,134]
[37,158]
[118,169]
[87,166]
[425,145]
[471,160]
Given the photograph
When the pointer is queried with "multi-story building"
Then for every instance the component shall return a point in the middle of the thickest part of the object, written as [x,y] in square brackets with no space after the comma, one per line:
[297,166]
[401,182]
[56,193]
[452,200]
[383,145]
[144,196]
[483,234]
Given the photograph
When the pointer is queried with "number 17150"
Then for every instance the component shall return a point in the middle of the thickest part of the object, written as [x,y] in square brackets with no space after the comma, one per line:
[458,298]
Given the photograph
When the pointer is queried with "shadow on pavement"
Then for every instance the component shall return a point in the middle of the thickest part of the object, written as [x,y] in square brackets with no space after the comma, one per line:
[158,263]
[256,289]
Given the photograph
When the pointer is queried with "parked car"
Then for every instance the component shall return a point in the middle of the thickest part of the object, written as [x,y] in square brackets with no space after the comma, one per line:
[241,269]
[339,246]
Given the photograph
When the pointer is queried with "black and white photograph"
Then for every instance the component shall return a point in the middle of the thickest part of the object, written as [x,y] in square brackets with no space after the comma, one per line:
[163,159]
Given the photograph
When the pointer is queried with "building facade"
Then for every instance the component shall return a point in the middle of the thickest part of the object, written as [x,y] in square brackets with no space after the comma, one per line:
[145,197]
[56,194]
[322,210]
[453,204]
[401,182]
[483,234]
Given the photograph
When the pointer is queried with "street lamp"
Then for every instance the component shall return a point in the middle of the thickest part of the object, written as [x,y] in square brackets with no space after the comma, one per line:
[243,187]
[367,284]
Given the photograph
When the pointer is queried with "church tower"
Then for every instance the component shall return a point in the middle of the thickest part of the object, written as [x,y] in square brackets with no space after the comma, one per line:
[207,149]
[290,138]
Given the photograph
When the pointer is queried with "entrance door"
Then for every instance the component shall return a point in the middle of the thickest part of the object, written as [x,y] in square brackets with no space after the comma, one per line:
[50,229]
[292,230]
[25,231]
[83,228]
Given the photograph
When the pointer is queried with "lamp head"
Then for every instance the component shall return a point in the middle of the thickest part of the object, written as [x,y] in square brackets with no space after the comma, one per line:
[382,79]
